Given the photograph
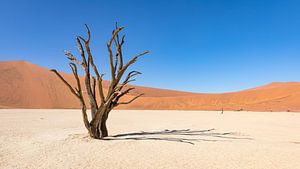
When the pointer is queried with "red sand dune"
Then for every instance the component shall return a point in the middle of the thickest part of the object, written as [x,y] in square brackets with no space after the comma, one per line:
[25,85]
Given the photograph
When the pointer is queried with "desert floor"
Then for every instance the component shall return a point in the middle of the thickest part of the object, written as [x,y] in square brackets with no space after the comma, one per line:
[151,139]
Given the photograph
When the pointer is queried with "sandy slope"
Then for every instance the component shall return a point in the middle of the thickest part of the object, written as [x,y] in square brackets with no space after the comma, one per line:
[25,85]
[171,139]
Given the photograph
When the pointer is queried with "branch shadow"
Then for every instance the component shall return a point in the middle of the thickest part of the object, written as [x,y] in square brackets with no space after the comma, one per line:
[183,136]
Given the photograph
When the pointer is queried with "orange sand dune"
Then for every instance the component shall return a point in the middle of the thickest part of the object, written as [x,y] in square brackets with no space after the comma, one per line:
[25,85]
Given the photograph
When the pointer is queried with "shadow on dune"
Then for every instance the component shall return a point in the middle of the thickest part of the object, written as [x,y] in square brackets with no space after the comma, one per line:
[183,136]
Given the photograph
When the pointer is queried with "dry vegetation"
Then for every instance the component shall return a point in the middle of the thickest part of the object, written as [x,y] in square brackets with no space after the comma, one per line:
[101,106]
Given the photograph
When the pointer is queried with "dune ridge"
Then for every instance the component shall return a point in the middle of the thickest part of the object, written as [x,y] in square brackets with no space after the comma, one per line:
[26,85]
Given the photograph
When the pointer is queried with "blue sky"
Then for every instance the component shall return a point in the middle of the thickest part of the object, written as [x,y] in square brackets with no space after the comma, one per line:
[200,46]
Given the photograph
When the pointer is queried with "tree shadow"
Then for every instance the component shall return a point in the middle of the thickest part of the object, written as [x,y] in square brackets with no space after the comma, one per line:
[183,136]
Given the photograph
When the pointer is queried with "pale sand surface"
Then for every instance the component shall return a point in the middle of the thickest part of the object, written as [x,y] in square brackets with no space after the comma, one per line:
[233,140]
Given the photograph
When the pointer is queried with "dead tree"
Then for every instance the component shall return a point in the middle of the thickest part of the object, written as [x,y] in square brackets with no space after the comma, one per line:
[102,105]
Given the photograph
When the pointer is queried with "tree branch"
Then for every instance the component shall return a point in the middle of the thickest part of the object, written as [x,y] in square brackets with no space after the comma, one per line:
[94,86]
[91,61]
[65,82]
[113,82]
[80,96]
[131,99]
[80,48]
[120,74]
[112,38]
[72,58]
[86,65]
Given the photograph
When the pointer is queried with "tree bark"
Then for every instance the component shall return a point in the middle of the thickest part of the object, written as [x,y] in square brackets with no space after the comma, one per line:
[95,132]
[104,130]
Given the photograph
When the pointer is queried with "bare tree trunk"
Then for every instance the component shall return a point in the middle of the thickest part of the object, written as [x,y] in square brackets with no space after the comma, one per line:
[104,129]
[95,132]
[103,126]
[100,110]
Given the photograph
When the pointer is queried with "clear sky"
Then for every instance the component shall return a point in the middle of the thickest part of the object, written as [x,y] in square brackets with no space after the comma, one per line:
[196,45]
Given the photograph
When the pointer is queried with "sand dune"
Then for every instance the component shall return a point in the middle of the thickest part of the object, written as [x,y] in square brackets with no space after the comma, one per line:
[25,85]
[154,139]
